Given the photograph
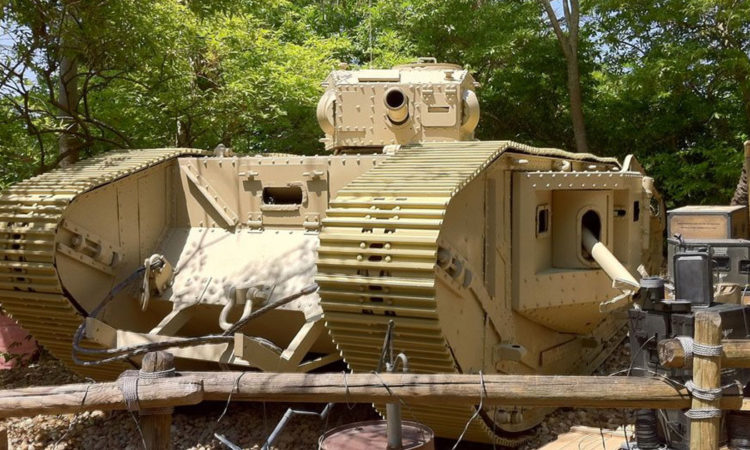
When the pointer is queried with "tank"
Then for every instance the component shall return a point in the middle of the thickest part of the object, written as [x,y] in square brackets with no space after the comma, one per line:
[478,255]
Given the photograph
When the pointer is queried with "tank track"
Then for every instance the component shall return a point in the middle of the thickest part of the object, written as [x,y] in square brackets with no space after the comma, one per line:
[30,214]
[387,220]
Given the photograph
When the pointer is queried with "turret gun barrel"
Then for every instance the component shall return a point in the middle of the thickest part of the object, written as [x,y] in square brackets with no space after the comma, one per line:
[397,105]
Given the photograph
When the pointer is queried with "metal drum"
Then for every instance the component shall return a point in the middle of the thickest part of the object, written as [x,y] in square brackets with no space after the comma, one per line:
[372,435]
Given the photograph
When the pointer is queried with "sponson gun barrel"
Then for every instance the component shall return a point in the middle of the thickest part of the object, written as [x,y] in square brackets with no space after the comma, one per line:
[620,276]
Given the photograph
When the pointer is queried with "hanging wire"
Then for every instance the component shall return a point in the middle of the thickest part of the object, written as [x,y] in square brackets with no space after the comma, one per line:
[482,395]
[229,397]
[75,416]
[140,431]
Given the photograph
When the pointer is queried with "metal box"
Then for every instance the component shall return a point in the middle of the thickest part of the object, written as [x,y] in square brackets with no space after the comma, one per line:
[730,257]
[709,222]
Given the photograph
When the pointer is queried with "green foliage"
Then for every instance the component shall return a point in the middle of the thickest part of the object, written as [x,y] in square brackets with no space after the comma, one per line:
[18,151]
[507,47]
[264,96]
[676,77]
[668,80]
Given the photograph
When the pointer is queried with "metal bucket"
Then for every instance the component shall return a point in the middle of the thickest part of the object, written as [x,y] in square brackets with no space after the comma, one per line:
[372,435]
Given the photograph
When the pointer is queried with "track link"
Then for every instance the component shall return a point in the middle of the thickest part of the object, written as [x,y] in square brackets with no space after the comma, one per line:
[30,214]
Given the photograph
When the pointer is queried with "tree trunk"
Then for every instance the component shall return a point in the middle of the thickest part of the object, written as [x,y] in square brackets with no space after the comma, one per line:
[569,44]
[68,143]
[740,193]
[182,138]
[743,83]
[576,105]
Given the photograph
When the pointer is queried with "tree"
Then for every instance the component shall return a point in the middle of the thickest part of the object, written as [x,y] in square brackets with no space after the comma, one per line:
[668,80]
[505,46]
[740,196]
[672,91]
[65,57]
[569,44]
[139,73]
[69,144]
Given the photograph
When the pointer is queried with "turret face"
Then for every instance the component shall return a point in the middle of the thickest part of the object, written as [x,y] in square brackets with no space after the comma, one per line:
[423,102]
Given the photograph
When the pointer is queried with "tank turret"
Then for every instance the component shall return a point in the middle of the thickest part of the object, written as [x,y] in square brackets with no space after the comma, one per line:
[408,104]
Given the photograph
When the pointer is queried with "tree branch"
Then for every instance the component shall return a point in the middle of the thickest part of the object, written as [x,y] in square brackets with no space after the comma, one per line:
[556,26]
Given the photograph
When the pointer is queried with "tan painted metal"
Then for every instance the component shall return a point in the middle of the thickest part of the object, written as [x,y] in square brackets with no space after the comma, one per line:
[475,250]
[477,304]
[422,102]
[39,245]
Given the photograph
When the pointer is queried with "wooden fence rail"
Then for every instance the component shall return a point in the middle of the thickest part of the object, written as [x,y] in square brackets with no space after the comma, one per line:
[189,388]
[155,393]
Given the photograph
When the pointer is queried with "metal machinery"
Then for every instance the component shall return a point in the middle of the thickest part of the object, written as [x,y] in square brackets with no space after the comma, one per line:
[708,268]
[483,254]
[663,315]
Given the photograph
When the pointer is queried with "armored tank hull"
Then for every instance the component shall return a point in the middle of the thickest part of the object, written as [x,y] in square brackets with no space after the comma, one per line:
[477,255]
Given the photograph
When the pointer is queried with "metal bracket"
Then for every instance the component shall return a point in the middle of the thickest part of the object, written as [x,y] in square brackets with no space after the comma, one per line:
[314,174]
[110,337]
[211,196]
[269,358]
[172,322]
[508,352]
[85,259]
[312,222]
[91,246]
[254,220]
[456,273]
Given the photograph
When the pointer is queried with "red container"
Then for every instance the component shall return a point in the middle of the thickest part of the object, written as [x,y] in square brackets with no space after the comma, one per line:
[15,343]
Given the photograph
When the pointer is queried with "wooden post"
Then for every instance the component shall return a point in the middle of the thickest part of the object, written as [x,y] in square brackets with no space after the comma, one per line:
[704,432]
[156,424]
[4,439]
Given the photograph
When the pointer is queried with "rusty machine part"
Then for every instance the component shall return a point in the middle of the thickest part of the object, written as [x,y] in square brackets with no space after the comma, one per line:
[486,256]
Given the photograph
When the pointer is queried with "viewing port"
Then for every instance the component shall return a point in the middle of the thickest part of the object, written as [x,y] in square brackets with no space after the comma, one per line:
[286,195]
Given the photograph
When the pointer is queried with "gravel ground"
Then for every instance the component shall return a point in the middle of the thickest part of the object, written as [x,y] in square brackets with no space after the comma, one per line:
[245,424]
[563,419]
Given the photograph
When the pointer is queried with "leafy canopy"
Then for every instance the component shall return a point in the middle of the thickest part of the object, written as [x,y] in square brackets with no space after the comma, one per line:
[668,80]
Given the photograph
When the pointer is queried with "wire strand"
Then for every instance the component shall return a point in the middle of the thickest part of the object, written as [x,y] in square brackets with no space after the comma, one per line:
[482,394]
